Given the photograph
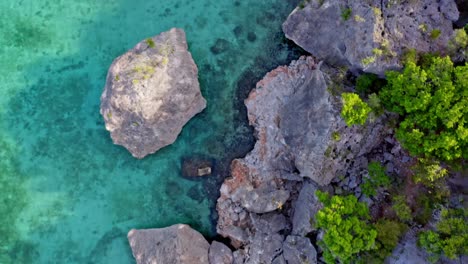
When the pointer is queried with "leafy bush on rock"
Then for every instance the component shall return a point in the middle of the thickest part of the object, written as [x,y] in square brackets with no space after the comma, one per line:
[347,229]
[354,111]
[433,101]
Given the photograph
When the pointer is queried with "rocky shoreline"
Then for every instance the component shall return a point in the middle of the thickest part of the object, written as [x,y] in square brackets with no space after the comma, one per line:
[268,203]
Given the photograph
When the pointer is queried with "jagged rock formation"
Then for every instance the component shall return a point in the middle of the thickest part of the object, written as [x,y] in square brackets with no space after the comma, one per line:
[177,244]
[151,92]
[371,35]
[270,192]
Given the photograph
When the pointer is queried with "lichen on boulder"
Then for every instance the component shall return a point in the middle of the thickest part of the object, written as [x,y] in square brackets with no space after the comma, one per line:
[151,92]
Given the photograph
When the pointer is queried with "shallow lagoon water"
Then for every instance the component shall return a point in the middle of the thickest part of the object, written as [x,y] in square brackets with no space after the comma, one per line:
[67,194]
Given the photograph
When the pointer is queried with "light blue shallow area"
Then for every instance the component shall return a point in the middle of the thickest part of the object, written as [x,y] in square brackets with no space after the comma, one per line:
[67,194]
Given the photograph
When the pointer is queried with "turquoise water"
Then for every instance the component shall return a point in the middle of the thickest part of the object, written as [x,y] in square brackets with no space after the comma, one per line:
[67,194]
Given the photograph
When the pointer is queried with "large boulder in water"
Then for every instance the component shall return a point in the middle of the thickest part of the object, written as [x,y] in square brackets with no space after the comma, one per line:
[151,92]
[177,244]
[371,35]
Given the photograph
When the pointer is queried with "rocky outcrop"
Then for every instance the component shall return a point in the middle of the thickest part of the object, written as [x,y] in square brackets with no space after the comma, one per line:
[271,193]
[151,92]
[371,35]
[177,244]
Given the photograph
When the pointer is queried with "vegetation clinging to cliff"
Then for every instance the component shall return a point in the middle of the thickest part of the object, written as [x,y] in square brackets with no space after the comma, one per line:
[354,111]
[433,100]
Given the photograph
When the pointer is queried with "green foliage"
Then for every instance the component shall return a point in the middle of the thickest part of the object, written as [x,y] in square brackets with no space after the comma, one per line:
[402,210]
[336,136]
[377,178]
[461,38]
[435,34]
[375,104]
[150,43]
[423,212]
[450,237]
[433,99]
[303,3]
[389,233]
[428,172]
[368,60]
[346,13]
[347,231]
[354,111]
[365,82]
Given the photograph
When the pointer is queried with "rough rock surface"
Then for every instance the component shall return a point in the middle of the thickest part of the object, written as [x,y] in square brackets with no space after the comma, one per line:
[151,92]
[270,194]
[305,208]
[220,254]
[299,250]
[371,35]
[177,244]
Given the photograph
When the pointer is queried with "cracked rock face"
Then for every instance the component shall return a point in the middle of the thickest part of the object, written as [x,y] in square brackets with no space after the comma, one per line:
[177,244]
[151,92]
[371,35]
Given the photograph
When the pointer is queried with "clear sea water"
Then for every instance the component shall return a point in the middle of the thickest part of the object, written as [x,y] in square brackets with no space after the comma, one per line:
[67,194]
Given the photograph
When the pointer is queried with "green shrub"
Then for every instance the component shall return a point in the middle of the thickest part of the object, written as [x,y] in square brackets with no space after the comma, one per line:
[433,101]
[336,136]
[461,38]
[365,82]
[346,13]
[375,104]
[377,178]
[354,111]
[150,43]
[389,233]
[423,212]
[428,172]
[347,231]
[435,34]
[402,210]
[450,237]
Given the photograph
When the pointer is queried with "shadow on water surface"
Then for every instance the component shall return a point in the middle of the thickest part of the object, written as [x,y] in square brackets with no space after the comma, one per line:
[82,193]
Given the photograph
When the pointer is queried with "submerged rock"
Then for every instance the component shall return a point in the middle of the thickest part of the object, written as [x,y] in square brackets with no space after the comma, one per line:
[196,166]
[177,244]
[151,92]
[371,35]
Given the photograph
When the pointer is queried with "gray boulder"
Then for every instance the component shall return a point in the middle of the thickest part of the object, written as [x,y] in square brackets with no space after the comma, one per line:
[299,250]
[151,92]
[264,248]
[305,208]
[220,254]
[177,244]
[371,35]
